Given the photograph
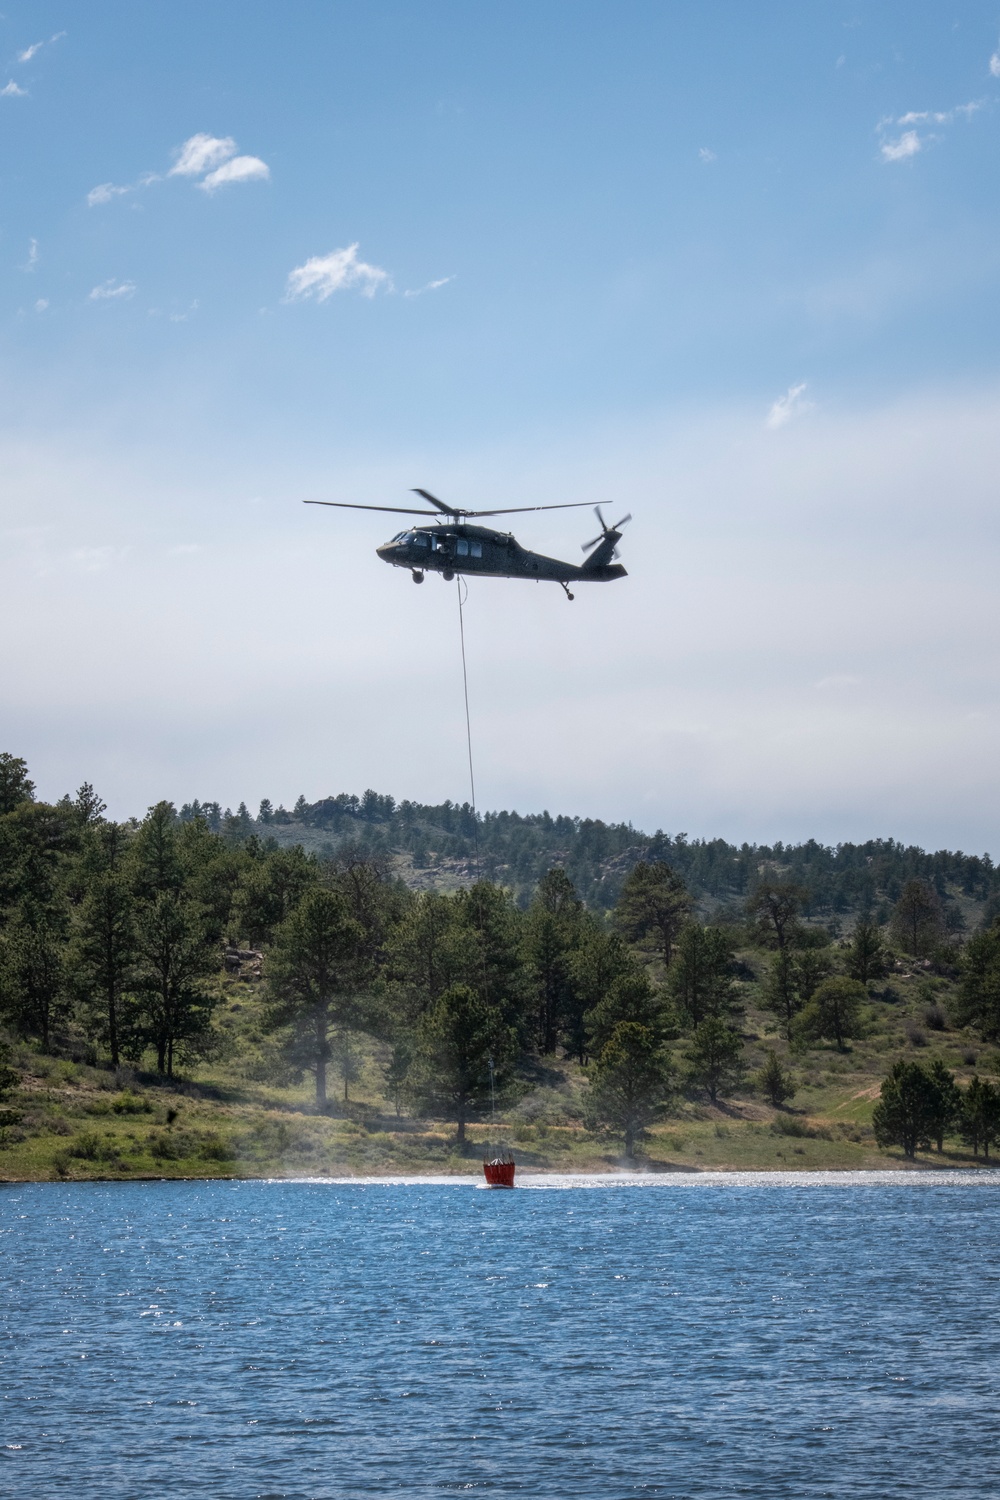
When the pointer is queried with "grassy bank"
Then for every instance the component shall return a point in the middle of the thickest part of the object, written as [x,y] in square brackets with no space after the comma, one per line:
[78,1121]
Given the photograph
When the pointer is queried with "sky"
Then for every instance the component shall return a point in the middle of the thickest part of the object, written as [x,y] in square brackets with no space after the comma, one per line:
[730,268]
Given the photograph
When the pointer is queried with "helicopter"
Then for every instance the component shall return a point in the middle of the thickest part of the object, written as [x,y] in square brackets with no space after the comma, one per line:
[454,546]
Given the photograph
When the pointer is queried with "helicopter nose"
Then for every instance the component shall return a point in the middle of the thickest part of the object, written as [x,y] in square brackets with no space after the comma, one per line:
[385,551]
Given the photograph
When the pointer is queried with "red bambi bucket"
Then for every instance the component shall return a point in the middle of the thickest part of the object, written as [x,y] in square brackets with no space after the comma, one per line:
[499,1173]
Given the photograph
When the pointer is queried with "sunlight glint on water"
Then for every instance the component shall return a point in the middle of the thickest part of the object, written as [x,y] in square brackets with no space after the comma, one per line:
[774,1336]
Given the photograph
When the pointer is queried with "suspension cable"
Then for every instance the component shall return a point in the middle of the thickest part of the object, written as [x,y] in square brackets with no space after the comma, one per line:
[468,722]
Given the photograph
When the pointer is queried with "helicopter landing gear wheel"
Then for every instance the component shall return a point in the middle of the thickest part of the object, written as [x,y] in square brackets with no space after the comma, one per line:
[565,590]
[417,576]
[448,575]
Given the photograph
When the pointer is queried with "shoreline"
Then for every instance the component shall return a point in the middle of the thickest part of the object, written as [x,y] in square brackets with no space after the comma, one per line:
[624,1176]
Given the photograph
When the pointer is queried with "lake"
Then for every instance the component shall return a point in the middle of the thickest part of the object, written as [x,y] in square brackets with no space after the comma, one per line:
[764,1335]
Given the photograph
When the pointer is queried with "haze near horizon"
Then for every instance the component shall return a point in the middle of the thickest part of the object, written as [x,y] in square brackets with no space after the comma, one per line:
[728,268]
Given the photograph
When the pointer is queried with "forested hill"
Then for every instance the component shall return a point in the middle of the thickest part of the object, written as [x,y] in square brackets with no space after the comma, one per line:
[437,846]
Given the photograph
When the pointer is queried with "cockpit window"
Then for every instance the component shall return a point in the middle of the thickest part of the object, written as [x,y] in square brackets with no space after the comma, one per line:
[418,538]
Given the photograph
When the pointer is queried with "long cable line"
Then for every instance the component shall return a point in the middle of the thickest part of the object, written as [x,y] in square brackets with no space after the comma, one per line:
[468,721]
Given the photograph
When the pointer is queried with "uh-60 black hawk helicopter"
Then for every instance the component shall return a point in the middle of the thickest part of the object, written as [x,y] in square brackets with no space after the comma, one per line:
[453,546]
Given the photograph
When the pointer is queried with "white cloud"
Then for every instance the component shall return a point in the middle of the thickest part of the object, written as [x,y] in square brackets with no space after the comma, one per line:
[12,90]
[104,193]
[41,304]
[201,153]
[238,169]
[995,65]
[29,52]
[32,260]
[322,275]
[788,406]
[909,144]
[705,153]
[431,286]
[111,289]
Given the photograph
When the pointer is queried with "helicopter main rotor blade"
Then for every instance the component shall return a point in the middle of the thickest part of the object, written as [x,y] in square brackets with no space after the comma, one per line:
[396,510]
[449,510]
[516,510]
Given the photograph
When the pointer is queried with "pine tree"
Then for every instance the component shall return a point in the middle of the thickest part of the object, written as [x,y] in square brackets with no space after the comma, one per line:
[313,978]
[630,1083]
[908,1109]
[455,1041]
[716,1058]
[653,906]
[701,975]
[866,956]
[774,1083]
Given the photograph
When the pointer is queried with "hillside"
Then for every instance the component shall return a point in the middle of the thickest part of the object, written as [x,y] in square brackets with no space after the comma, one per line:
[436,847]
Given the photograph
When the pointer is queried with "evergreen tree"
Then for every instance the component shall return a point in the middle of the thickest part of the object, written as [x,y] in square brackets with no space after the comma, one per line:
[774,1083]
[866,956]
[835,1011]
[774,906]
[630,1083]
[917,921]
[15,786]
[908,1109]
[810,967]
[103,952]
[599,959]
[979,987]
[630,998]
[948,1105]
[173,960]
[979,1121]
[781,994]
[701,975]
[715,1061]
[653,907]
[34,993]
[551,929]
[313,979]
[456,1039]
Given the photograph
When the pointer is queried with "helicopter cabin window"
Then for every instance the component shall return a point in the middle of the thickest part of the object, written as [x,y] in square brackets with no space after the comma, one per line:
[462,547]
[475,549]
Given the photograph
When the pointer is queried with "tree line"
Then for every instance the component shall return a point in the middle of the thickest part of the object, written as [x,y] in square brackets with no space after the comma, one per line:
[121,933]
[516,849]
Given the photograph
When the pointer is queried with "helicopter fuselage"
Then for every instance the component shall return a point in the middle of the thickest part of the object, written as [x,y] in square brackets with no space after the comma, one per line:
[478,550]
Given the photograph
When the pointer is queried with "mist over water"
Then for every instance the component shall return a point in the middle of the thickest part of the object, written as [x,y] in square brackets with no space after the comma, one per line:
[764,1335]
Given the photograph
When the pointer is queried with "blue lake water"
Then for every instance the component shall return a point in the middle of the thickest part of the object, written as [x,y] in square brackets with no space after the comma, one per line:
[768,1335]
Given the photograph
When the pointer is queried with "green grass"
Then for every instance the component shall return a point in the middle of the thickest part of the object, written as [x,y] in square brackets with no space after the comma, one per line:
[230,1119]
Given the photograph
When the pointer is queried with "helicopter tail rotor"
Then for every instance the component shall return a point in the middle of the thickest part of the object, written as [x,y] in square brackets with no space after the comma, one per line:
[606,530]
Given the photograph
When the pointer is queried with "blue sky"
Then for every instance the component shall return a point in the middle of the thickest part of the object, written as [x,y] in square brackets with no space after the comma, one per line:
[730,267]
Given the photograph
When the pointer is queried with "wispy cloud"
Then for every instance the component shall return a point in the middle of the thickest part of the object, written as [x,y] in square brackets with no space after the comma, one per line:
[237,169]
[431,286]
[791,404]
[41,304]
[211,157]
[105,192]
[108,290]
[13,90]
[32,261]
[29,52]
[995,65]
[201,153]
[910,142]
[340,271]
[706,154]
